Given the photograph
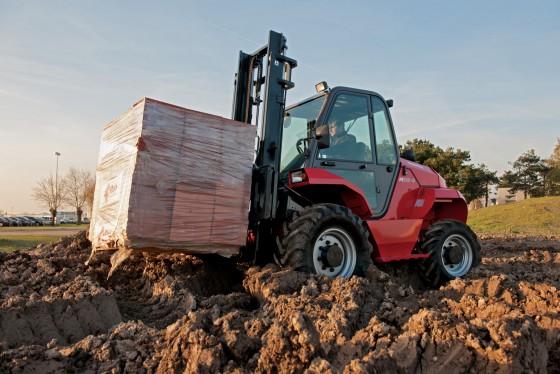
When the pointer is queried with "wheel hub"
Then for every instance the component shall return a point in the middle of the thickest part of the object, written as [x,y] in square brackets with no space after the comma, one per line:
[453,255]
[331,256]
[334,253]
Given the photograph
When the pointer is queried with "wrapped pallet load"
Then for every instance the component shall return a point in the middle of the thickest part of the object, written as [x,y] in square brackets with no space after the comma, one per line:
[173,179]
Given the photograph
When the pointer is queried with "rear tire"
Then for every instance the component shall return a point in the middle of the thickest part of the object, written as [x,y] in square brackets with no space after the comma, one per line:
[326,239]
[453,248]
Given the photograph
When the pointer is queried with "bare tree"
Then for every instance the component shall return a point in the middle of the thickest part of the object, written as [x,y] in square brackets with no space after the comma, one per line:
[77,183]
[89,196]
[50,194]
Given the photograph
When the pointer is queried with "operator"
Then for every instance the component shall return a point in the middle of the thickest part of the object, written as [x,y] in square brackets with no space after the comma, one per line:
[339,134]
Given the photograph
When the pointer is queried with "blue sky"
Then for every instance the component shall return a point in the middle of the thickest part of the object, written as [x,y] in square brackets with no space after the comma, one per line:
[482,76]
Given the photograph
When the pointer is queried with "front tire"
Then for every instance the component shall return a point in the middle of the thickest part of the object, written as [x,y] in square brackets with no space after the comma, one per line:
[453,250]
[326,239]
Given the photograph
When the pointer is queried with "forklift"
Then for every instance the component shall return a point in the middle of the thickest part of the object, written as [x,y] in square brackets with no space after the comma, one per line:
[330,192]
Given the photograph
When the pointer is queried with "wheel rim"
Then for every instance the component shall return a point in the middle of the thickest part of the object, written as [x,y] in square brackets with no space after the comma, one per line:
[456,255]
[337,240]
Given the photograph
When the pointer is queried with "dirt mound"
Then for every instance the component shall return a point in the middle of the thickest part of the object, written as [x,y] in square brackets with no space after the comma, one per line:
[170,313]
[45,295]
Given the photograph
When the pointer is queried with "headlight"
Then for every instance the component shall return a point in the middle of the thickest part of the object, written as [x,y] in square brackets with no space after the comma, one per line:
[298,176]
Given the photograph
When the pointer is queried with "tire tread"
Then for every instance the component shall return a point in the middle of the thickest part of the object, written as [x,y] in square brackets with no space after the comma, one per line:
[305,225]
[431,243]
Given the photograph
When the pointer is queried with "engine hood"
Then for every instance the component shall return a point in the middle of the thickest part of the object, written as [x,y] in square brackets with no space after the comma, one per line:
[425,176]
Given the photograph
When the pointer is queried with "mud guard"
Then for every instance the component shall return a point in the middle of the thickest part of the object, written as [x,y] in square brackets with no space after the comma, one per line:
[450,204]
[352,195]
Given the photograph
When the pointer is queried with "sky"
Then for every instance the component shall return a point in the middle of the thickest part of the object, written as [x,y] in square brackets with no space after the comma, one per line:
[481,76]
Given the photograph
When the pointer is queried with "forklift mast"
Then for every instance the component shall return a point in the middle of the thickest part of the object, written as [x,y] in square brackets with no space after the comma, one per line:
[250,84]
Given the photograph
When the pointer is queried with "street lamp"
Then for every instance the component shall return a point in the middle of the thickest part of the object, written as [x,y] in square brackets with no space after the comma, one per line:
[56,180]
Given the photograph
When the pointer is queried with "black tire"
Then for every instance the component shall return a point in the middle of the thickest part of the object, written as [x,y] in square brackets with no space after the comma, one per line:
[453,248]
[326,239]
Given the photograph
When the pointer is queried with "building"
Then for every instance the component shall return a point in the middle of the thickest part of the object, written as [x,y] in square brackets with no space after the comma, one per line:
[504,196]
[496,196]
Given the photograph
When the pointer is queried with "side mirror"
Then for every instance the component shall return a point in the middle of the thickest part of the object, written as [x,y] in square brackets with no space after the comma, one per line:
[408,154]
[323,137]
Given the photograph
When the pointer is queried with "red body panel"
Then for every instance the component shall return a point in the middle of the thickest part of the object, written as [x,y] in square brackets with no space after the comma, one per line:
[419,198]
[426,176]
[394,239]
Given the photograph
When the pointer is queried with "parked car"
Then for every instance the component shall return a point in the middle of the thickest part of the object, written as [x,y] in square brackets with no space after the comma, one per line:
[13,221]
[22,221]
[34,220]
[28,221]
[4,222]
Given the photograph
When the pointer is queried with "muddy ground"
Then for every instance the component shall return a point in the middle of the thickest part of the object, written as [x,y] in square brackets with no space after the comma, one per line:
[175,313]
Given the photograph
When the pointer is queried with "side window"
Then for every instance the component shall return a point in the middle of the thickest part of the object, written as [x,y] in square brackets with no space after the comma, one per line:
[349,130]
[385,147]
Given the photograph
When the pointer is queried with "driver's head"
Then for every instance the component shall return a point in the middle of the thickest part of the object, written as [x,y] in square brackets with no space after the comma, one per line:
[336,128]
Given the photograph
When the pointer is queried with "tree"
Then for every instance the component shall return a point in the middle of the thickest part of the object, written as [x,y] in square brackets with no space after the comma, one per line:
[507,179]
[476,180]
[453,165]
[489,178]
[552,182]
[77,182]
[447,163]
[554,159]
[50,193]
[90,193]
[527,175]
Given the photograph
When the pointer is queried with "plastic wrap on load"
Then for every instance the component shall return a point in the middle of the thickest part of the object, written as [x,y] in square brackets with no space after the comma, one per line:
[173,179]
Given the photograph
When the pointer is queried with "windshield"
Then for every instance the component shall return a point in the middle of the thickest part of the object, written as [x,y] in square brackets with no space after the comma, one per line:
[298,123]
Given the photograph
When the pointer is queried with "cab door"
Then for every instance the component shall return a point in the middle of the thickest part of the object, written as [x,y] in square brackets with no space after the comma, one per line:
[385,153]
[366,155]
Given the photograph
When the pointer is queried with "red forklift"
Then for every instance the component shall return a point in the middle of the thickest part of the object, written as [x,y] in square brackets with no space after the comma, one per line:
[330,191]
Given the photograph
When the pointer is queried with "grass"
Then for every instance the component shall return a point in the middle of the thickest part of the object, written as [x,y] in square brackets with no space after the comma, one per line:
[534,217]
[12,243]
[48,227]
[30,237]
